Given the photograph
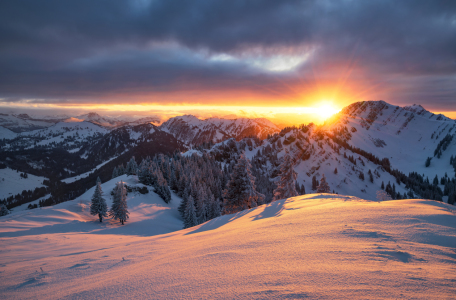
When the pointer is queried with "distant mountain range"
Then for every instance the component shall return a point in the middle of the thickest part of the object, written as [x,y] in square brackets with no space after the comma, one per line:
[370,143]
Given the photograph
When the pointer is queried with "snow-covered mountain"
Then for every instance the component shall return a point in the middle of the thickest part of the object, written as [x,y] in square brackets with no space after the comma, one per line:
[23,122]
[312,246]
[407,136]
[7,134]
[140,138]
[193,131]
[70,136]
[95,118]
[371,144]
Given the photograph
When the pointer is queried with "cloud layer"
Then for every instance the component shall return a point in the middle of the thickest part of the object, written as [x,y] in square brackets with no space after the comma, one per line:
[260,52]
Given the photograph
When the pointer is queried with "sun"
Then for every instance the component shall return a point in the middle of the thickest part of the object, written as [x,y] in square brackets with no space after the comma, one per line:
[325,111]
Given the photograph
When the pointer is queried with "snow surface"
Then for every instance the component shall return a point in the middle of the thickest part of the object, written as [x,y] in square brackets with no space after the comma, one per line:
[317,246]
[86,174]
[7,134]
[12,184]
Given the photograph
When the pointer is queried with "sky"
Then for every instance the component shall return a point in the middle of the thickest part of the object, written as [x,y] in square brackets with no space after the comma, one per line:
[219,57]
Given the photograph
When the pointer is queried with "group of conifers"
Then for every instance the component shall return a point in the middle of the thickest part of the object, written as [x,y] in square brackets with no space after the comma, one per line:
[119,209]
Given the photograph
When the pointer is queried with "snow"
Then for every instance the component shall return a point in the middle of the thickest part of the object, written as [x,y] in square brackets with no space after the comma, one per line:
[86,174]
[191,152]
[12,184]
[407,143]
[316,246]
[7,134]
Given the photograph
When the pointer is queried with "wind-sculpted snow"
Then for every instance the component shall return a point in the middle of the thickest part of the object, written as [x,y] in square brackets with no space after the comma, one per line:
[314,246]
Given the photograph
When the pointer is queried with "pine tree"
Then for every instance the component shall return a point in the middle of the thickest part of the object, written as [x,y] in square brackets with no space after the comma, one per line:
[371,177]
[286,187]
[190,214]
[240,192]
[132,167]
[3,210]
[215,207]
[314,183]
[119,209]
[324,186]
[335,171]
[98,205]
[114,173]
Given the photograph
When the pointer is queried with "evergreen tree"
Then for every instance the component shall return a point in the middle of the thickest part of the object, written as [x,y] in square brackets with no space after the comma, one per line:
[371,177]
[132,167]
[335,171]
[436,180]
[3,210]
[119,209]
[428,162]
[240,192]
[215,207]
[114,173]
[286,187]
[190,219]
[324,186]
[314,183]
[98,205]
[383,185]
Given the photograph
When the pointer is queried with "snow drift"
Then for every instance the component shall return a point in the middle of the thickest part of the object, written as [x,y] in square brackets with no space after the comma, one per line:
[318,245]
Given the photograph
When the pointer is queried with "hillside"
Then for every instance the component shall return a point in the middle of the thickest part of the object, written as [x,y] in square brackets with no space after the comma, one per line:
[318,245]
[193,131]
[407,136]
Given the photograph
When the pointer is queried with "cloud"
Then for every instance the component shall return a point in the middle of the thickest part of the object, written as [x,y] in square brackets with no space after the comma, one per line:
[203,51]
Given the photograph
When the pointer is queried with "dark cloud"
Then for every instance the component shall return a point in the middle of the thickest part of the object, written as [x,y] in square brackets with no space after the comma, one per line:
[63,51]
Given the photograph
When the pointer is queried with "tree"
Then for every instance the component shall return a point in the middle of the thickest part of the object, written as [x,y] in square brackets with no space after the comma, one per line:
[190,213]
[428,162]
[98,206]
[286,187]
[383,196]
[314,183]
[240,192]
[114,173]
[335,171]
[3,210]
[371,177]
[132,167]
[119,209]
[324,186]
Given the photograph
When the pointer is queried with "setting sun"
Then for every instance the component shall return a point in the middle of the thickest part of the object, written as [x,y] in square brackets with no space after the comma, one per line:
[325,111]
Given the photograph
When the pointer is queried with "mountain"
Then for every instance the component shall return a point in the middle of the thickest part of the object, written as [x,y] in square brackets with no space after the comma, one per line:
[70,136]
[312,246]
[139,139]
[371,144]
[95,118]
[193,131]
[407,136]
[7,134]
[23,122]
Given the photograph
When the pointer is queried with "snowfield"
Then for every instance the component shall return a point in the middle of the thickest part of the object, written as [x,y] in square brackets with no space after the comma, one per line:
[317,246]
[12,184]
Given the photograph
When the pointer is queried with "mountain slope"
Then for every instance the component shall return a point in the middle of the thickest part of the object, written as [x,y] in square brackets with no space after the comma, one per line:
[407,136]
[66,135]
[7,134]
[193,131]
[317,246]
[23,122]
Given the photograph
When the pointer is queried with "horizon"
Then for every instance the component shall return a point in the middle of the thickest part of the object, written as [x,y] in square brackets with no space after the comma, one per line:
[280,116]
